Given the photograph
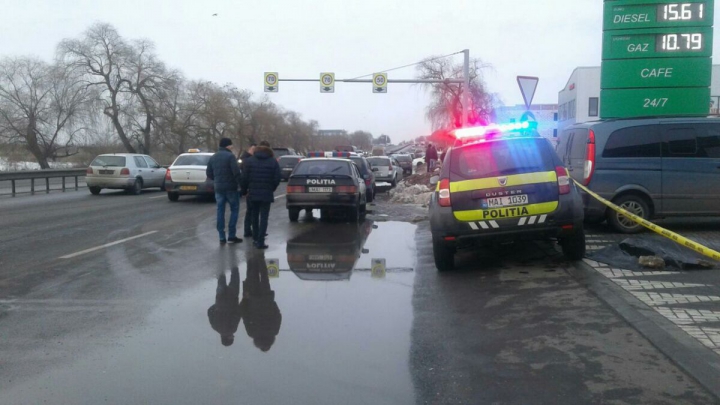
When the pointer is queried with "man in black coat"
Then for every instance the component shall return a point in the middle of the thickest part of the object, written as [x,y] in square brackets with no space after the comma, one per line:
[260,179]
[248,214]
[224,170]
[431,156]
[225,315]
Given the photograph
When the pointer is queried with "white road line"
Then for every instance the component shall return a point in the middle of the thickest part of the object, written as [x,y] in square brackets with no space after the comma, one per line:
[280,196]
[157,196]
[117,242]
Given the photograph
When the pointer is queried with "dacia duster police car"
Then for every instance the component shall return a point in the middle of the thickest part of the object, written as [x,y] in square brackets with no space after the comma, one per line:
[502,184]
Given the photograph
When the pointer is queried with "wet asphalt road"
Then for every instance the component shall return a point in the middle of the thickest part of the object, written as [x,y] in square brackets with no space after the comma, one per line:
[332,313]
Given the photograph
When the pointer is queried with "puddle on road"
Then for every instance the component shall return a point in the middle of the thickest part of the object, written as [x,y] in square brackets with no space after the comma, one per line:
[324,318]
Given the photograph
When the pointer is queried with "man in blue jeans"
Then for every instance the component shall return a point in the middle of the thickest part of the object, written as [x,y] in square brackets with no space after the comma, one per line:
[260,179]
[224,170]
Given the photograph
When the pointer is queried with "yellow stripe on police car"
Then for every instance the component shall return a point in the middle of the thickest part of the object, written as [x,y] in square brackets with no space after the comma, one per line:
[509,212]
[512,181]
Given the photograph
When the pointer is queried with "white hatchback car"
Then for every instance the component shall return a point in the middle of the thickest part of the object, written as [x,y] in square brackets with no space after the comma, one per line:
[126,171]
[187,175]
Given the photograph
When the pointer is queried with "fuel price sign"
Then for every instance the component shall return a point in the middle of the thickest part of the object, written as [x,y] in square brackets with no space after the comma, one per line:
[627,14]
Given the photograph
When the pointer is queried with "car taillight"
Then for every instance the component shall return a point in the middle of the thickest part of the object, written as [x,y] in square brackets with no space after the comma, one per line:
[295,189]
[168,177]
[444,193]
[563,180]
[589,159]
[346,189]
[125,171]
[89,170]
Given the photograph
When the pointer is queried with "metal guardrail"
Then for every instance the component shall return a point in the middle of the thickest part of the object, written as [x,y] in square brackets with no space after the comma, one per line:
[33,175]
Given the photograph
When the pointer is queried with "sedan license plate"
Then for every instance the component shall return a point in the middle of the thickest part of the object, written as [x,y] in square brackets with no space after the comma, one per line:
[106,171]
[320,189]
[506,201]
[188,188]
[324,258]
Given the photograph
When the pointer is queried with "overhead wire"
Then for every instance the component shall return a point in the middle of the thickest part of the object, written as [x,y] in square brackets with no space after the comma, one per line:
[405,66]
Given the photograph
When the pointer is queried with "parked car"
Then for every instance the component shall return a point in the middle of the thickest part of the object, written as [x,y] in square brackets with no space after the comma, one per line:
[651,167]
[186,176]
[406,162]
[287,164]
[280,152]
[346,148]
[128,171]
[503,189]
[362,164]
[326,184]
[388,169]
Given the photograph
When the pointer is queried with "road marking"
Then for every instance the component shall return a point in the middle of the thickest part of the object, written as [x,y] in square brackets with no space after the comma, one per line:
[157,196]
[117,242]
[280,196]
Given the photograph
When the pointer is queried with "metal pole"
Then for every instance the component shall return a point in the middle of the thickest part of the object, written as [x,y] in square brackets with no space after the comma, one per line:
[63,184]
[47,185]
[13,187]
[466,88]
[32,186]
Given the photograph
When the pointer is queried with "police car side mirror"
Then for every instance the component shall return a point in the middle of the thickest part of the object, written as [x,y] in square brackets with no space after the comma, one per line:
[434,180]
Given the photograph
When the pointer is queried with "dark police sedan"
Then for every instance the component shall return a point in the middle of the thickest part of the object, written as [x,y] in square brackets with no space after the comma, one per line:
[326,184]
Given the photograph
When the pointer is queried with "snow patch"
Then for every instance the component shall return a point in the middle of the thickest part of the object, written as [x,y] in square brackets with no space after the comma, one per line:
[6,165]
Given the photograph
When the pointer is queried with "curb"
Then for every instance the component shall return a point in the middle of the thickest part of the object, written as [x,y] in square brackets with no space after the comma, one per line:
[686,352]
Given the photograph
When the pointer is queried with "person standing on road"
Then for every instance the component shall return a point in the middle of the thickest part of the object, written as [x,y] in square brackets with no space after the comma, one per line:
[431,157]
[248,216]
[225,315]
[260,179]
[224,171]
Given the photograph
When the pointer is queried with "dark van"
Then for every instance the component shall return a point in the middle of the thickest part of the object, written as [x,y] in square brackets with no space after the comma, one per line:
[651,167]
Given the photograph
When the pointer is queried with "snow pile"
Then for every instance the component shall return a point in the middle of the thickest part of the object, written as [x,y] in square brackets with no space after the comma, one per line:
[410,194]
[6,165]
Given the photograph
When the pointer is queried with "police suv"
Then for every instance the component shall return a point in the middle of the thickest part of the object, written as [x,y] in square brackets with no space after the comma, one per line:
[503,183]
[327,183]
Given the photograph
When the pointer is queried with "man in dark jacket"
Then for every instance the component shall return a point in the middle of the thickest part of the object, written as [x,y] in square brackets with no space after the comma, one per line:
[431,156]
[225,315]
[260,179]
[223,169]
[261,314]
[248,215]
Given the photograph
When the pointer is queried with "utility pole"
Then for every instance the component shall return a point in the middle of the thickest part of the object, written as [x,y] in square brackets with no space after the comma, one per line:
[466,88]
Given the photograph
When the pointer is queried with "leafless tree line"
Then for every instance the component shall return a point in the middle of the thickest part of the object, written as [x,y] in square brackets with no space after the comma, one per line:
[103,89]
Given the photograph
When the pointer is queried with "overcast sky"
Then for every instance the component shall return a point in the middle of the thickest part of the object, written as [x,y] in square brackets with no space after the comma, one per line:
[301,38]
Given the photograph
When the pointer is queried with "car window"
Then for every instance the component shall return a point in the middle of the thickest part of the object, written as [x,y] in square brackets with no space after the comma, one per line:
[139,161]
[500,158]
[563,145]
[680,141]
[360,164]
[708,137]
[355,170]
[111,161]
[379,161]
[579,143]
[318,167]
[151,162]
[634,142]
[288,161]
[192,160]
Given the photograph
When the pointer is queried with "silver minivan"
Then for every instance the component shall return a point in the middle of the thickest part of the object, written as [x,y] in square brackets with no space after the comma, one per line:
[652,167]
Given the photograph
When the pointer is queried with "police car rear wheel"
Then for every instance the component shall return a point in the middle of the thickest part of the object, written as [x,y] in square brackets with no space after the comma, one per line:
[173,196]
[94,190]
[444,256]
[573,247]
[293,214]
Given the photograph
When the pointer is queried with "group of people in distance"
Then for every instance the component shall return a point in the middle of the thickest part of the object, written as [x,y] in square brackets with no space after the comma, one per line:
[257,178]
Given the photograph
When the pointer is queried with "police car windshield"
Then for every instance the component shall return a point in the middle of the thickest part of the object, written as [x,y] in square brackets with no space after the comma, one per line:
[500,158]
[192,160]
[313,167]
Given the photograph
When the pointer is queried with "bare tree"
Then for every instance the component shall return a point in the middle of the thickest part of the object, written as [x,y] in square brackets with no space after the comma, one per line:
[445,110]
[41,106]
[102,55]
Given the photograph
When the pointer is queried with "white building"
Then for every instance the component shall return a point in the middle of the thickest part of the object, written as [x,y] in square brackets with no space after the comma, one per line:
[546,116]
[579,101]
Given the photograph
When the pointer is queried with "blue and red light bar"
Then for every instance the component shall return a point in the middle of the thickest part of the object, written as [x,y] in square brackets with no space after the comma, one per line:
[492,129]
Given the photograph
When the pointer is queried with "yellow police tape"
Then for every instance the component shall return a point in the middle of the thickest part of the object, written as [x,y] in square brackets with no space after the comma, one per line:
[703,250]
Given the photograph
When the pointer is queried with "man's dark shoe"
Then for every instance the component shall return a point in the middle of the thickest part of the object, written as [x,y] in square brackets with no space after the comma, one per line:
[260,245]
[235,240]
[223,241]
[248,235]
